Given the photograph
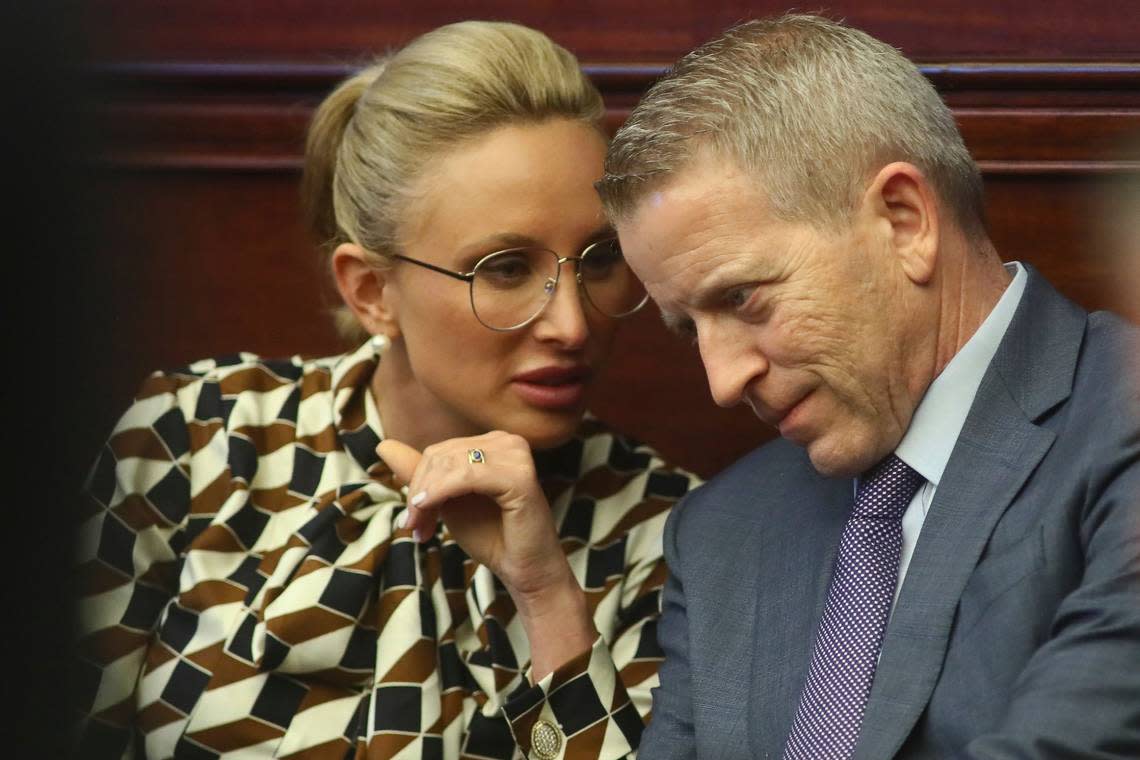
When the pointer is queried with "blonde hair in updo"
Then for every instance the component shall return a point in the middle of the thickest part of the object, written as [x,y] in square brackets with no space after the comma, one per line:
[370,140]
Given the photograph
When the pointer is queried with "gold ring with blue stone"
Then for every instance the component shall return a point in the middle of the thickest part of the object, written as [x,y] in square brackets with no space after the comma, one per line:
[475,456]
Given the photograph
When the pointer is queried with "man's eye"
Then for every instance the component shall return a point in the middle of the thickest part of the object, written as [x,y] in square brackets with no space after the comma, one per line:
[738,297]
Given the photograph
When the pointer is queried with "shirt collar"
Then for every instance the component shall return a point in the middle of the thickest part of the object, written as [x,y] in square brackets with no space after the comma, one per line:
[355,414]
[939,418]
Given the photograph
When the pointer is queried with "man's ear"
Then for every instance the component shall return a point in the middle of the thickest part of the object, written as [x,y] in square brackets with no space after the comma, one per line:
[901,196]
[366,290]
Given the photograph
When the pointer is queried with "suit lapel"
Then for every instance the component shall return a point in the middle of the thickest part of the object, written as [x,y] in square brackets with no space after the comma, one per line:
[999,447]
[796,557]
[979,483]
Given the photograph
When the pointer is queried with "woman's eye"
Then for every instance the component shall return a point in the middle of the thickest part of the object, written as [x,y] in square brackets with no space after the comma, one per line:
[601,260]
[598,267]
[505,268]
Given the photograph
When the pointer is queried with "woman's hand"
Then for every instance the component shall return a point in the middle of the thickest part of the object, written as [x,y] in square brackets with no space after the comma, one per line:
[495,509]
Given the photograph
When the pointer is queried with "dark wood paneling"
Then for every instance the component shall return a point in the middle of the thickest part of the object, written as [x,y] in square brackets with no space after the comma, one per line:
[1073,117]
[1039,136]
[201,110]
[1065,225]
[195,264]
[604,30]
[203,263]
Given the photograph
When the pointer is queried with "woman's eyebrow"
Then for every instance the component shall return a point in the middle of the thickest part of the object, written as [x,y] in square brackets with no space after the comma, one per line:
[500,240]
[504,240]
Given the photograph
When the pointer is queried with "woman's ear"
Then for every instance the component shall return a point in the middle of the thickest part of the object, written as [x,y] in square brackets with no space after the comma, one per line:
[367,290]
[901,196]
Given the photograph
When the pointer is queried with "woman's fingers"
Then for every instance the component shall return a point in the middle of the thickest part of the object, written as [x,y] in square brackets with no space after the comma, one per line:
[460,475]
[421,518]
[487,491]
[448,478]
[401,458]
[438,476]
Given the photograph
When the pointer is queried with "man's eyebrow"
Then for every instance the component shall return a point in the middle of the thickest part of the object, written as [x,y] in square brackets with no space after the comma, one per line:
[703,295]
[671,321]
[706,293]
[604,230]
[678,324]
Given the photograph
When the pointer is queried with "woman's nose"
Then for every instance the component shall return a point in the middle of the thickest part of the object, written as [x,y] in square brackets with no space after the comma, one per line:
[564,318]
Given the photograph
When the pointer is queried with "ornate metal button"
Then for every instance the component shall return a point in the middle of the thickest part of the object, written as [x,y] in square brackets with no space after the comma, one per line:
[545,740]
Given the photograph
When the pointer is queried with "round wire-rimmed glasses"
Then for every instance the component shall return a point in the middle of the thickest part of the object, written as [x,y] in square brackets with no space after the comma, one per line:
[510,288]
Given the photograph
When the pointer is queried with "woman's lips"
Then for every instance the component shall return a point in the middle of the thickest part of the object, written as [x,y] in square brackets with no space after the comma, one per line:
[553,387]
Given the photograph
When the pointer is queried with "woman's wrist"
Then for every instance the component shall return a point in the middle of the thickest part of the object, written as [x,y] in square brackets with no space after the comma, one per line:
[557,624]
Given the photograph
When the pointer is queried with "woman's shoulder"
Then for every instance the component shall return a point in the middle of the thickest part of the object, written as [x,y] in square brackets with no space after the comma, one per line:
[242,372]
[210,389]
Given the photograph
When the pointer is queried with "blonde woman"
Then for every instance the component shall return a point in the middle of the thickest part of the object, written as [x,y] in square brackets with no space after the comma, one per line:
[259,582]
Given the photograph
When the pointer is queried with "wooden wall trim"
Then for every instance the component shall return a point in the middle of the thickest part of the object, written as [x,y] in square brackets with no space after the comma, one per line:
[615,77]
[1017,118]
[631,31]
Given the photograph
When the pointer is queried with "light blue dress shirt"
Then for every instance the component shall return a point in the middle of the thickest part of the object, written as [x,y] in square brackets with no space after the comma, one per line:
[938,420]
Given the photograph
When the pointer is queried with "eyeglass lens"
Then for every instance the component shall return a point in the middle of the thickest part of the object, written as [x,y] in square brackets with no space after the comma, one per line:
[511,287]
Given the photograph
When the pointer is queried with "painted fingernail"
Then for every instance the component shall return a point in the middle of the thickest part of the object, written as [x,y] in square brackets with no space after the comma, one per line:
[418,536]
[402,520]
[419,498]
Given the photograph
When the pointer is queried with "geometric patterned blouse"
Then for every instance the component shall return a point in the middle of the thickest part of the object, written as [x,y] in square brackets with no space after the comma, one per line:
[245,594]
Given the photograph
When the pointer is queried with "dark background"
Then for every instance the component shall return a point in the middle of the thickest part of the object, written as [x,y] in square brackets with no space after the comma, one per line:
[54,292]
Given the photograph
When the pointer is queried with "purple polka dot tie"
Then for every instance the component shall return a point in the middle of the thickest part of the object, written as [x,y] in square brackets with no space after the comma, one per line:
[830,712]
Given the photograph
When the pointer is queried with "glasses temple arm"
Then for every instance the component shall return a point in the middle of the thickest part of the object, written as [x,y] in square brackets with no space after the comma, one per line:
[465,276]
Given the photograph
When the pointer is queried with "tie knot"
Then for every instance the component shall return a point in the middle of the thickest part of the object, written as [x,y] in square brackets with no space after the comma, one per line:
[886,489]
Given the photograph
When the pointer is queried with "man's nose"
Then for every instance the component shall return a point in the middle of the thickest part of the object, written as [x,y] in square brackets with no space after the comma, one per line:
[731,362]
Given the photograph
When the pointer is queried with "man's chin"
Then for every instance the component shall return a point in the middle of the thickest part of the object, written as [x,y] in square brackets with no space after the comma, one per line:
[839,459]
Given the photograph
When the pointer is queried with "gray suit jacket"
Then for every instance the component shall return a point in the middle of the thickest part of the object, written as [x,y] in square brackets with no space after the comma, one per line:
[1017,629]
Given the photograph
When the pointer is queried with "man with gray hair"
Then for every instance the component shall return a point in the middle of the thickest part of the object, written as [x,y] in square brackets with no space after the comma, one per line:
[941,555]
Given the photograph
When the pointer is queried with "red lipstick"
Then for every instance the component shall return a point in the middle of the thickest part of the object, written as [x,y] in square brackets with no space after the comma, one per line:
[553,387]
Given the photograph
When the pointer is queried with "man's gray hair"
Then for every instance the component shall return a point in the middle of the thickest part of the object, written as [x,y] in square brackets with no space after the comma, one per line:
[811,108]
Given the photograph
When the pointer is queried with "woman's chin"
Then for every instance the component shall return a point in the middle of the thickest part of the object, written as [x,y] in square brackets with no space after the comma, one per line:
[547,431]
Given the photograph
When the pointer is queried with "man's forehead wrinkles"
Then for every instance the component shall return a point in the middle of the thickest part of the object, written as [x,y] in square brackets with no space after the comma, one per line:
[701,270]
